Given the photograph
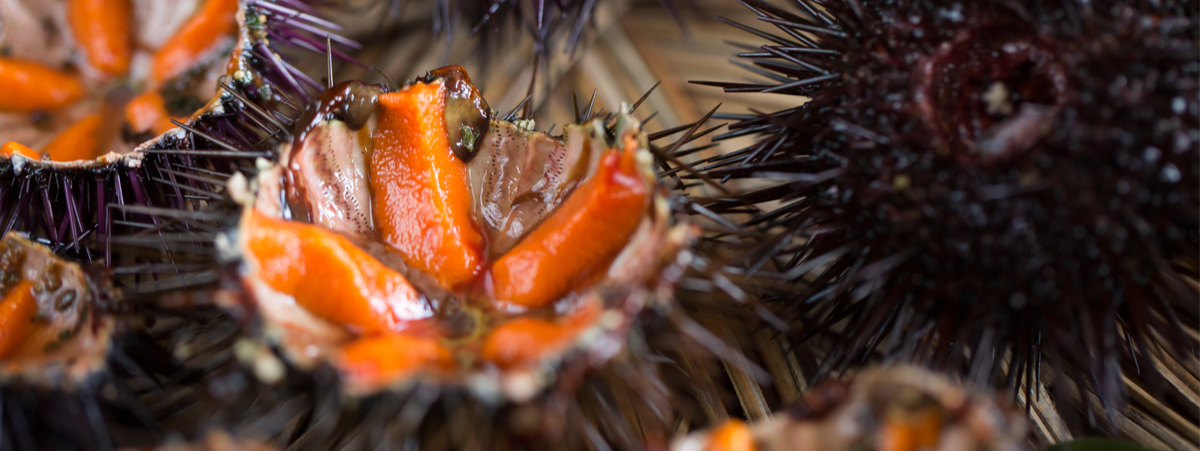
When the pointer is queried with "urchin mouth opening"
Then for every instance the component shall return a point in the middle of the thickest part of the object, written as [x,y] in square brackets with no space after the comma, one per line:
[988,99]
[462,322]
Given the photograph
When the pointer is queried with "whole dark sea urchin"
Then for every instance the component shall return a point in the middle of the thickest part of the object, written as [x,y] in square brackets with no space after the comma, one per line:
[981,186]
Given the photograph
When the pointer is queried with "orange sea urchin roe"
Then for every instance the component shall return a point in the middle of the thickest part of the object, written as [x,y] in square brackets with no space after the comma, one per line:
[80,141]
[11,148]
[734,435]
[917,432]
[31,87]
[17,310]
[102,28]
[392,356]
[329,276]
[578,239]
[422,197]
[148,113]
[524,342]
[214,20]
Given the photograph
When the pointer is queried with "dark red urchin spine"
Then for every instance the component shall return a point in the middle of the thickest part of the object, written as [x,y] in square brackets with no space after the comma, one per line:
[981,186]
[543,19]
[549,23]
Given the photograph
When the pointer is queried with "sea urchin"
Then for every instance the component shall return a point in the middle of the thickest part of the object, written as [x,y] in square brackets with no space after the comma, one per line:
[981,186]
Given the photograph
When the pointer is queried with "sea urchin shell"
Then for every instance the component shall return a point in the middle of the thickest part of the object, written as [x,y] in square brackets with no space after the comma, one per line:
[92,151]
[50,333]
[479,273]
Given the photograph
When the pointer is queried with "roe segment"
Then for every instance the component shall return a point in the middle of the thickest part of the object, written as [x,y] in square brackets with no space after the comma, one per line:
[326,274]
[578,240]
[80,141]
[525,342]
[216,19]
[422,197]
[17,310]
[390,357]
[102,28]
[30,87]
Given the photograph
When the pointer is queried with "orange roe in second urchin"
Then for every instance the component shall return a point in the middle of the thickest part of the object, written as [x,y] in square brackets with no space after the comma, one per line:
[102,29]
[30,87]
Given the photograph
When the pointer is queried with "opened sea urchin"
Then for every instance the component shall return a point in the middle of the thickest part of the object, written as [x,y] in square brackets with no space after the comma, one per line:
[435,256]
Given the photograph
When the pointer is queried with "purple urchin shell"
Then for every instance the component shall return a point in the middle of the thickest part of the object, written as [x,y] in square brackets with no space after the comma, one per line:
[75,207]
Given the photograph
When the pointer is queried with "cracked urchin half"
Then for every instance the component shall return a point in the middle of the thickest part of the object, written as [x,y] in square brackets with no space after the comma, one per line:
[899,408]
[980,186]
[122,129]
[54,348]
